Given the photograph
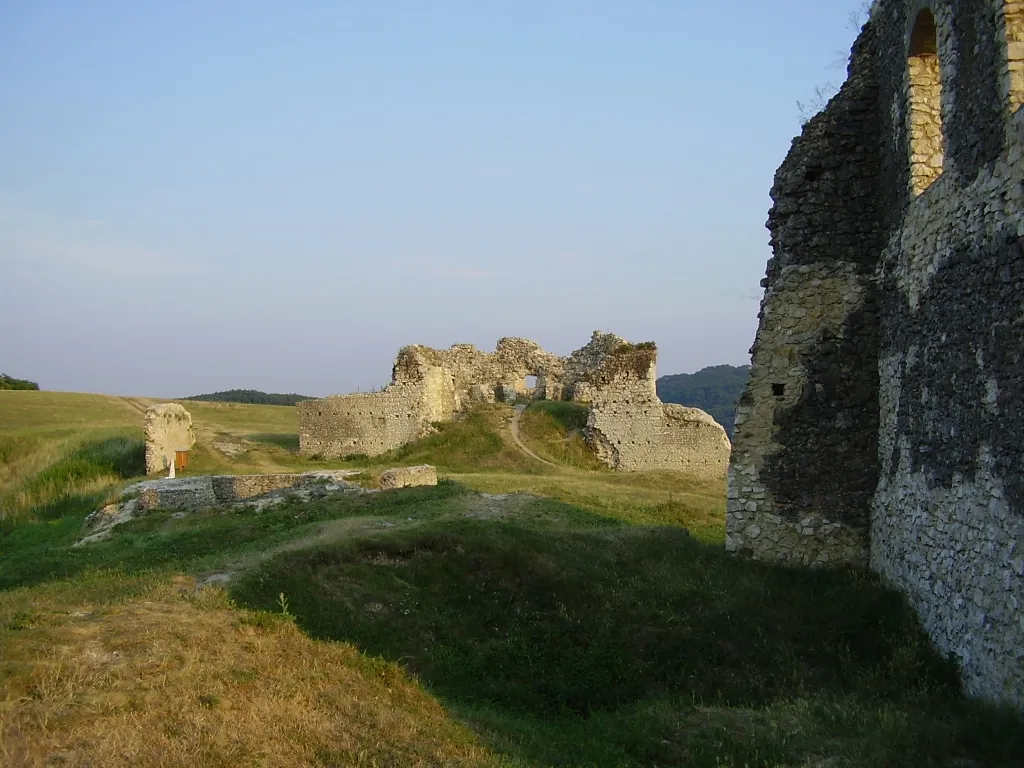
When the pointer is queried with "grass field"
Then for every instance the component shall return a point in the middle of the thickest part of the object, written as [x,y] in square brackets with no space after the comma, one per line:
[567,616]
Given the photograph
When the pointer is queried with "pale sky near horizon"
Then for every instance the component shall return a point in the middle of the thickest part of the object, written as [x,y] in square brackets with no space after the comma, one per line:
[198,196]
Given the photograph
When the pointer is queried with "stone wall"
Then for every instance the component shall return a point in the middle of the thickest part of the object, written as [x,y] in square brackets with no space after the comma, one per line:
[906,351]
[168,428]
[1011,28]
[376,422]
[804,461]
[578,381]
[948,513]
[630,429]
[803,464]
[480,375]
[203,491]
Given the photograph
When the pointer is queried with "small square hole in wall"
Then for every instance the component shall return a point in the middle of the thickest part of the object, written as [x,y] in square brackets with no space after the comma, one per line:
[779,390]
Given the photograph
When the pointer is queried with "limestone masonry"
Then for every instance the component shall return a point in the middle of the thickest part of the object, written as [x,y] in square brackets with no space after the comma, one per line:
[406,477]
[168,428]
[629,427]
[883,423]
[187,494]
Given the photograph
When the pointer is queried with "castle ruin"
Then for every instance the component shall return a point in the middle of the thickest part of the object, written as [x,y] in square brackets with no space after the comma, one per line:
[883,423]
[628,426]
[168,429]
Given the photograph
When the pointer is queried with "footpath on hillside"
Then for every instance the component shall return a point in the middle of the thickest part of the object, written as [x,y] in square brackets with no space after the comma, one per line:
[514,428]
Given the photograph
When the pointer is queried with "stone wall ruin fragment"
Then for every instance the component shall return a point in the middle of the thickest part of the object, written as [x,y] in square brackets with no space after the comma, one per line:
[168,429]
[882,424]
[629,427]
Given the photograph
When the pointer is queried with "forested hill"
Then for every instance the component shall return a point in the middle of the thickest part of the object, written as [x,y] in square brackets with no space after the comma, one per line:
[9,382]
[715,389]
[250,396]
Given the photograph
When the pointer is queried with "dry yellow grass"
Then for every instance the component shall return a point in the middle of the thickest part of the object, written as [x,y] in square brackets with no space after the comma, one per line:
[177,677]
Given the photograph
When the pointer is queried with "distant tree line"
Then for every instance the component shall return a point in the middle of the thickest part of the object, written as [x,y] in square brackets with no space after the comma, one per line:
[253,396]
[715,390]
[9,382]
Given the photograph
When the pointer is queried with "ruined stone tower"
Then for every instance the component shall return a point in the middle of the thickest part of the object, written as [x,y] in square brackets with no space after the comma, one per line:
[884,419]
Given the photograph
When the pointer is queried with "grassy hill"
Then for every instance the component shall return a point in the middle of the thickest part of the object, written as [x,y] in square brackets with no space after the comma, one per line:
[518,614]
[715,390]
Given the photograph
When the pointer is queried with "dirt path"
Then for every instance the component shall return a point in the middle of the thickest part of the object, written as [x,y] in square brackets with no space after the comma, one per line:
[514,427]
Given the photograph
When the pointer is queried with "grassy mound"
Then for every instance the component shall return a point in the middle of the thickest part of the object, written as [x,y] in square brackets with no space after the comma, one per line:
[554,431]
[595,643]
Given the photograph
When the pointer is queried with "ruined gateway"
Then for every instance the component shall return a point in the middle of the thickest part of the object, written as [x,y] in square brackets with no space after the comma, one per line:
[883,423]
[628,426]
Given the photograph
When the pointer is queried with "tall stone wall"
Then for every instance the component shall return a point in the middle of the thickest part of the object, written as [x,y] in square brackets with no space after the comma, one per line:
[948,513]
[922,360]
[630,429]
[804,462]
[168,428]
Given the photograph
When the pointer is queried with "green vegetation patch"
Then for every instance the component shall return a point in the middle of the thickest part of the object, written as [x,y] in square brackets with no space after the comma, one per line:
[554,431]
[473,441]
[31,553]
[627,646]
[76,483]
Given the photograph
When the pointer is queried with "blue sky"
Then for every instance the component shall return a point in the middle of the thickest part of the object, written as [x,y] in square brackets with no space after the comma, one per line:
[197,196]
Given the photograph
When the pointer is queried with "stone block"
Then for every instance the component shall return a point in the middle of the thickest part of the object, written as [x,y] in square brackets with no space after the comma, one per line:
[405,477]
[178,493]
[168,428]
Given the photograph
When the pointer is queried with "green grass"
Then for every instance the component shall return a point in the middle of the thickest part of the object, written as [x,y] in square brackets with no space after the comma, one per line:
[33,554]
[595,622]
[607,645]
[475,441]
[287,441]
[77,482]
[554,431]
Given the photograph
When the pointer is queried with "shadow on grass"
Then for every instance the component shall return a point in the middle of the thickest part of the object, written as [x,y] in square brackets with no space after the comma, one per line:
[289,441]
[639,646]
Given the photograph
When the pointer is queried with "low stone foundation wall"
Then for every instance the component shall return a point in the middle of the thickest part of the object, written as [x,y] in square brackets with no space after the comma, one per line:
[211,490]
[406,477]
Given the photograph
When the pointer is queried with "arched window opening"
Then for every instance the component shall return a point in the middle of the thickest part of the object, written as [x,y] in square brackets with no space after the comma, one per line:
[925,104]
[1013,74]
